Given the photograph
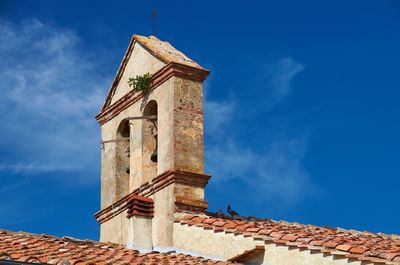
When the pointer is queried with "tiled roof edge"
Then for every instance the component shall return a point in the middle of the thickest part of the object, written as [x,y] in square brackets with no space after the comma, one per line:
[322,242]
[48,249]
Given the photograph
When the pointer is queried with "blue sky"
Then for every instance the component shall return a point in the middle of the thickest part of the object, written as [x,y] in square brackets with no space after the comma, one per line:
[302,107]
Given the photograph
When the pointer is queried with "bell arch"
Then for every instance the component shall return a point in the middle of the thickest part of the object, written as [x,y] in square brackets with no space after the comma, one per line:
[149,141]
[122,159]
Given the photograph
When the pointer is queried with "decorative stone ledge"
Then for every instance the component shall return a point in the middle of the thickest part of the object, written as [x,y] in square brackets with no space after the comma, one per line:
[158,78]
[184,204]
[165,179]
[140,206]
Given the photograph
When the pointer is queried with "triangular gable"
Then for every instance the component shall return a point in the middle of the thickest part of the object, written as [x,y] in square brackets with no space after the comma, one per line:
[154,54]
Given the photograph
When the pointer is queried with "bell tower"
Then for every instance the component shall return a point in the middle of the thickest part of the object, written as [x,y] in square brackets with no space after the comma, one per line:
[152,151]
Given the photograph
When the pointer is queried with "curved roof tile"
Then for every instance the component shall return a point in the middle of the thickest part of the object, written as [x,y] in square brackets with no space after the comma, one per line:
[26,247]
[363,246]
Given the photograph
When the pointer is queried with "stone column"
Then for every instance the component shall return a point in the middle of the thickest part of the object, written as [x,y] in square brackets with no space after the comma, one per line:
[140,215]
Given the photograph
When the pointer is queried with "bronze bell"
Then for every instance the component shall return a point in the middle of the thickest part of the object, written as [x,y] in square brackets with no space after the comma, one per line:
[153,156]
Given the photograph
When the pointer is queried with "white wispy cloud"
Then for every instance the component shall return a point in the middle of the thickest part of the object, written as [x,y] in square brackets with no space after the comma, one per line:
[273,169]
[16,168]
[51,89]
[279,75]
[217,115]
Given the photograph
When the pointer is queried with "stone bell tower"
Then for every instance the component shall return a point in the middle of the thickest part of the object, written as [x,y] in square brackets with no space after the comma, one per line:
[152,152]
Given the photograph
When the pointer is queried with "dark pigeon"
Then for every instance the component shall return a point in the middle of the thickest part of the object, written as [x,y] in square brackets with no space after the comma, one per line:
[232,212]
[220,213]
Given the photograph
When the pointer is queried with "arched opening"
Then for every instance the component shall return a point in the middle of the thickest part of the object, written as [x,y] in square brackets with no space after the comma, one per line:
[122,159]
[149,149]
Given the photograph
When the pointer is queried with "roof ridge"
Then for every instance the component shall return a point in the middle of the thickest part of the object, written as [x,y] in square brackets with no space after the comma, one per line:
[168,54]
[257,219]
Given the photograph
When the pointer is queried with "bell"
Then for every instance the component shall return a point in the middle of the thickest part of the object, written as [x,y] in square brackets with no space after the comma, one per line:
[153,156]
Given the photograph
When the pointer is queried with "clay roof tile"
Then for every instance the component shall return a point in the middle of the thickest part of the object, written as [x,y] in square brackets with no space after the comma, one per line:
[362,246]
[28,247]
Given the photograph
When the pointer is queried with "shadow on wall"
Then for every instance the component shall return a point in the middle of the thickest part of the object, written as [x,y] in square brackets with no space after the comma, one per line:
[149,149]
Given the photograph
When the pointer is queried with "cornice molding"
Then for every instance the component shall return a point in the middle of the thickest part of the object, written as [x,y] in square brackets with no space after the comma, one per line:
[158,78]
[161,181]
[140,206]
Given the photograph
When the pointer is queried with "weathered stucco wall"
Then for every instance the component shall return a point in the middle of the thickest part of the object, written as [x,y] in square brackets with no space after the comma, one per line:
[140,62]
[163,221]
[180,136]
[188,126]
[209,243]
[140,232]
[180,146]
[278,254]
[226,245]
[110,192]
[165,143]
[113,229]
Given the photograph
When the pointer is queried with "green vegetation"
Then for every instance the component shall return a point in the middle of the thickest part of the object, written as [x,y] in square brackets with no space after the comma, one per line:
[140,82]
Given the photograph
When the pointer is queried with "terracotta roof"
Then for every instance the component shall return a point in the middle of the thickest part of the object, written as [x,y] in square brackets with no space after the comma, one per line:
[363,246]
[26,247]
[165,51]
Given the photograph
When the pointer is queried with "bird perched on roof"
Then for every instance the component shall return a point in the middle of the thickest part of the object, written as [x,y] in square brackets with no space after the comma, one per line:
[220,213]
[232,212]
